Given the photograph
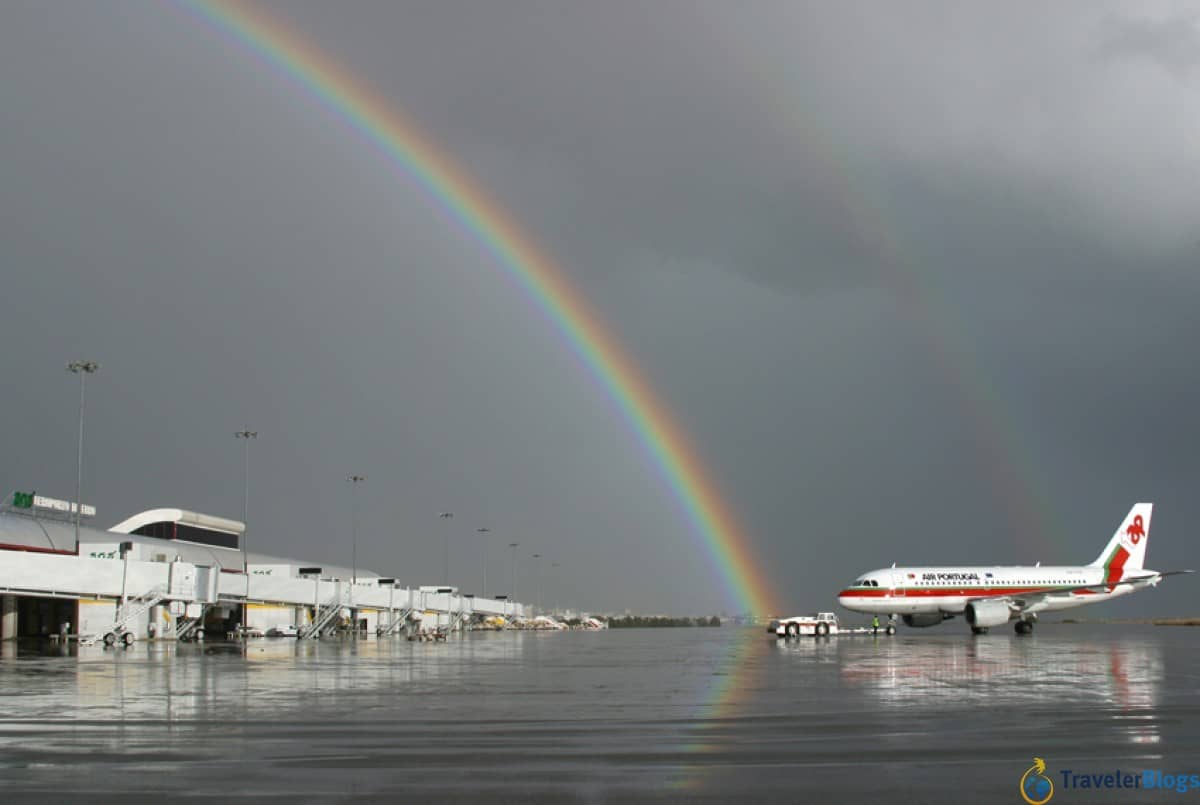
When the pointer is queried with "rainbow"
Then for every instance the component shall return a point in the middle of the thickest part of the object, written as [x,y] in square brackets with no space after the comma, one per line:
[381,124]
[1006,457]
[728,696]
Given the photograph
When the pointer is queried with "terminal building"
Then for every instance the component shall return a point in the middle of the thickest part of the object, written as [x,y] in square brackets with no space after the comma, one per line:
[169,573]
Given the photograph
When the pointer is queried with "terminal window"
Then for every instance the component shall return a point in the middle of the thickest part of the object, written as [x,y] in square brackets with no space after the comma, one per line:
[188,533]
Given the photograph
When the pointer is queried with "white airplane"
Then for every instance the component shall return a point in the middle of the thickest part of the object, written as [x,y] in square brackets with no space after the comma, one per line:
[993,596]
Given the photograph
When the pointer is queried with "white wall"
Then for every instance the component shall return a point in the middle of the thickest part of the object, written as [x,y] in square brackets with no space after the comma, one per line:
[372,617]
[267,616]
[96,617]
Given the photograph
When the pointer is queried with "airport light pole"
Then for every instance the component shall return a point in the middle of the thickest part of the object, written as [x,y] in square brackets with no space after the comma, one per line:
[554,566]
[538,557]
[83,369]
[483,532]
[446,548]
[512,591]
[354,480]
[246,435]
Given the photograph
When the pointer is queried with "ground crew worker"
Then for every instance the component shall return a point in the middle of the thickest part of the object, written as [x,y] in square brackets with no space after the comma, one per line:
[875,624]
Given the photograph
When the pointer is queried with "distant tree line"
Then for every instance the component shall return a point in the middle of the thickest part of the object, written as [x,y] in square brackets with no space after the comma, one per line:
[646,622]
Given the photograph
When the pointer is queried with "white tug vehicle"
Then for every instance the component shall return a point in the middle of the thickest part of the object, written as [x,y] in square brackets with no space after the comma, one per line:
[821,624]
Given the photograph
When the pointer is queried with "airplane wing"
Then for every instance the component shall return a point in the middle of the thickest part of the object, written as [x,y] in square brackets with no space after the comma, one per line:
[1164,573]
[1025,602]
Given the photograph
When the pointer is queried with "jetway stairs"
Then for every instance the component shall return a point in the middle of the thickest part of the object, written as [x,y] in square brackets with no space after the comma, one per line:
[325,617]
[397,623]
[132,609]
[190,628]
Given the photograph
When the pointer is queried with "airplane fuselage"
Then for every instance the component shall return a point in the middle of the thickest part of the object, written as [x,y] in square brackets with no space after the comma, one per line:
[948,590]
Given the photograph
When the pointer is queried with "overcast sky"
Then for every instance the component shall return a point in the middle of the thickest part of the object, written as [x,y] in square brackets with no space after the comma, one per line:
[921,282]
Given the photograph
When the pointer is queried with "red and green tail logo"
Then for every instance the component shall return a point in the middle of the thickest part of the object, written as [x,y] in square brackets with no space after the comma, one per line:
[1114,566]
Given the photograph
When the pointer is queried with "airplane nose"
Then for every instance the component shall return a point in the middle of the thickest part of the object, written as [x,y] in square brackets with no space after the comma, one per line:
[846,600]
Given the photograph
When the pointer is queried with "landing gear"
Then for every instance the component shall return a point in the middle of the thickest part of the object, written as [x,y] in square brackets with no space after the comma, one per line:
[1023,627]
[891,628]
[979,630]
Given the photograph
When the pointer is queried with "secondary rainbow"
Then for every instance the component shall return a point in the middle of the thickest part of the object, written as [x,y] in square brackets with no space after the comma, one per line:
[381,124]
[1008,457]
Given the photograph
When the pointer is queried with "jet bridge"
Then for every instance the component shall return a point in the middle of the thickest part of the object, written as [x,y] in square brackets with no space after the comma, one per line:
[145,585]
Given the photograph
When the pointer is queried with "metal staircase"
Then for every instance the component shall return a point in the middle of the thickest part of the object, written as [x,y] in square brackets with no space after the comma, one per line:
[136,607]
[325,617]
[133,609]
[191,627]
[397,623]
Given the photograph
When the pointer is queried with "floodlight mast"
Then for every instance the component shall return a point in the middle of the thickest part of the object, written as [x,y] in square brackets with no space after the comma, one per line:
[83,369]
[245,434]
[483,532]
[446,548]
[354,480]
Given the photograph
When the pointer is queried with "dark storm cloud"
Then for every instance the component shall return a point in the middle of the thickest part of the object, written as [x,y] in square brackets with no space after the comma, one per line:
[1172,42]
[904,276]
[785,146]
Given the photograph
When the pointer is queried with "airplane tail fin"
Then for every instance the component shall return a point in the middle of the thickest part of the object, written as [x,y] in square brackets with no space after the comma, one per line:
[1127,548]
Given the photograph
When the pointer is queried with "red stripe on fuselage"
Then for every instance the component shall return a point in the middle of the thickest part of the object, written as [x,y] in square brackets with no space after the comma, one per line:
[943,592]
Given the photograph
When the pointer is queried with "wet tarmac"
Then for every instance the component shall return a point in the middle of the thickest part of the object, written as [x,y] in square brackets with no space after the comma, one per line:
[627,715]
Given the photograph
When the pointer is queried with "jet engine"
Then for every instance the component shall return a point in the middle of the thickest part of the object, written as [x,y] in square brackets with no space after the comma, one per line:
[982,614]
[920,620]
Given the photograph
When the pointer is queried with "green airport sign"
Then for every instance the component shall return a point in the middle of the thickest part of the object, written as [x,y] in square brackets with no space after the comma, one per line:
[22,500]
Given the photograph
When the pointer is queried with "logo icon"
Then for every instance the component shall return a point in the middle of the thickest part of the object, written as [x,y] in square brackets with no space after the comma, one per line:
[1036,787]
[1136,530]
